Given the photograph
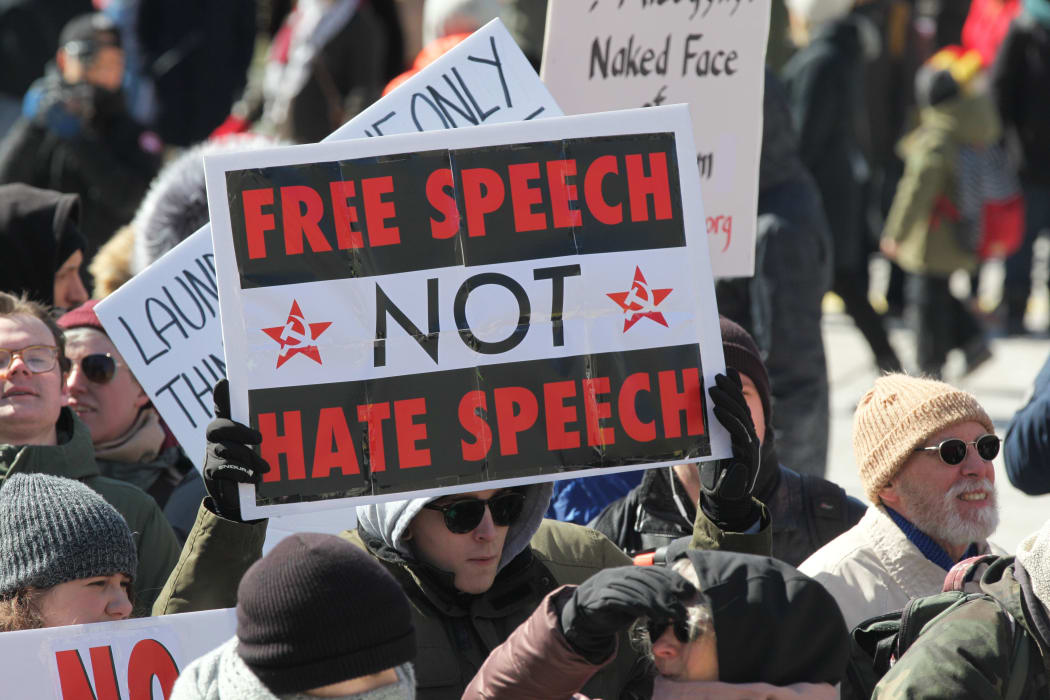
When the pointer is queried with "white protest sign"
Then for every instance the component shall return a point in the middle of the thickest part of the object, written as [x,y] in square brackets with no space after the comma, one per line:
[164,320]
[136,659]
[155,320]
[616,54]
[470,309]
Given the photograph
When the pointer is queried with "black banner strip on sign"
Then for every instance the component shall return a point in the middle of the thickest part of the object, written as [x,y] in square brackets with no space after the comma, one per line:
[472,206]
[457,427]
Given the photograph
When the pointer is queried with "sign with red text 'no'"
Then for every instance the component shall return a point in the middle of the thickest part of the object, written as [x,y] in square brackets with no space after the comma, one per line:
[137,659]
[467,309]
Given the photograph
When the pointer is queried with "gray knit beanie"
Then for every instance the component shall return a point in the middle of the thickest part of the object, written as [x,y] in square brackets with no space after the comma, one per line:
[54,530]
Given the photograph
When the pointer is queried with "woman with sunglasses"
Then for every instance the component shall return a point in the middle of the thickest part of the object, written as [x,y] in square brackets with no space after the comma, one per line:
[131,443]
[66,556]
[925,451]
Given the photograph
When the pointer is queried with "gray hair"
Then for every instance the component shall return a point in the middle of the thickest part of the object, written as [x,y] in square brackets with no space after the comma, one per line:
[698,615]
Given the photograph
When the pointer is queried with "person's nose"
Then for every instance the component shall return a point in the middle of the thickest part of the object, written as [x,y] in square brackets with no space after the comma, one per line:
[17,364]
[667,646]
[976,466]
[76,382]
[486,529]
[76,294]
[119,606]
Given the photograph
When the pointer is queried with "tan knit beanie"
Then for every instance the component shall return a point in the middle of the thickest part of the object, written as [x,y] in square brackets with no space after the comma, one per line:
[899,414]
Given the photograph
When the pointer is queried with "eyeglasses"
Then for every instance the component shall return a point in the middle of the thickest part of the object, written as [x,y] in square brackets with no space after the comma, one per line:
[37,358]
[656,629]
[953,450]
[465,515]
[99,368]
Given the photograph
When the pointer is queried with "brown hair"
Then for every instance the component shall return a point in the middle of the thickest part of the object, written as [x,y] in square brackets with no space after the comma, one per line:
[19,611]
[10,305]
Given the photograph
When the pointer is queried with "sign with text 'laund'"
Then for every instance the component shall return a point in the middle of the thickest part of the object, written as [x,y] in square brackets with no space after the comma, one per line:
[165,320]
[617,54]
[468,309]
[135,659]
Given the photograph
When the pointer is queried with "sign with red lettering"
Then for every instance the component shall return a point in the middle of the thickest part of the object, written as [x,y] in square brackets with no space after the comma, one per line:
[466,310]
[136,659]
[612,54]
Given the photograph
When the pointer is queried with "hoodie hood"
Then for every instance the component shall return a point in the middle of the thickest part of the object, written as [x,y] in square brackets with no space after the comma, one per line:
[38,230]
[1034,555]
[387,522]
[773,624]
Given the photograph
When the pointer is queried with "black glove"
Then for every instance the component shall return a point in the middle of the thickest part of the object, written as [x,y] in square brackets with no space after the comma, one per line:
[229,460]
[608,602]
[726,484]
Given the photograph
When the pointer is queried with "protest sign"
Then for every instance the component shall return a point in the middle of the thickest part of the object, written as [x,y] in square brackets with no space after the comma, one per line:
[165,320]
[136,659]
[616,54]
[467,310]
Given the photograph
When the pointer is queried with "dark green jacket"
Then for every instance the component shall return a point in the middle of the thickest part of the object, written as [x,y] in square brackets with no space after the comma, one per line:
[74,458]
[969,653]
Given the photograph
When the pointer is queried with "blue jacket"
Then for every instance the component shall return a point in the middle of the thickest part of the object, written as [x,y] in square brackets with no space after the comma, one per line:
[1026,449]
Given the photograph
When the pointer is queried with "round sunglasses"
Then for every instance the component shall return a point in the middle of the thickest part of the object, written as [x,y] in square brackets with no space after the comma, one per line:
[99,368]
[953,450]
[465,515]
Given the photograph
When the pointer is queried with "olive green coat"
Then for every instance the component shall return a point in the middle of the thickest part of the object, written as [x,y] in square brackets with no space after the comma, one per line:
[74,458]
[928,243]
[970,651]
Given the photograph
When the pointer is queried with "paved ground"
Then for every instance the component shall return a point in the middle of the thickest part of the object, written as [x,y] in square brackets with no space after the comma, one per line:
[1001,385]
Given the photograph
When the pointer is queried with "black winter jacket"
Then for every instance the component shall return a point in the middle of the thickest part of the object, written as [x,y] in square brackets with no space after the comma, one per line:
[807,512]
[824,84]
[1021,83]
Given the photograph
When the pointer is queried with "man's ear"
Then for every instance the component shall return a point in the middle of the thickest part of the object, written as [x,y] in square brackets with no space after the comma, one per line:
[889,495]
[406,535]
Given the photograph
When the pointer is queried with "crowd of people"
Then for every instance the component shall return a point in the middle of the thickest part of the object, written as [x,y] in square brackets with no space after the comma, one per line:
[918,132]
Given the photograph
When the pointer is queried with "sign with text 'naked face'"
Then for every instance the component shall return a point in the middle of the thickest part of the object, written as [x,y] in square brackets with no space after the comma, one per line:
[136,659]
[467,309]
[617,54]
[165,320]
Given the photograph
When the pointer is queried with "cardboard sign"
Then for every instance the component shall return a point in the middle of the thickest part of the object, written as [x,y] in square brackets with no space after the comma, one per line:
[135,659]
[467,309]
[616,54]
[165,320]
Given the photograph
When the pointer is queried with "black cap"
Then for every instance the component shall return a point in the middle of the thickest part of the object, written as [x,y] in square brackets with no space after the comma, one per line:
[316,611]
[84,35]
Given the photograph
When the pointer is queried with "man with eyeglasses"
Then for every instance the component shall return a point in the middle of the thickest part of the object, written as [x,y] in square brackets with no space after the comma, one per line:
[38,433]
[924,450]
[131,443]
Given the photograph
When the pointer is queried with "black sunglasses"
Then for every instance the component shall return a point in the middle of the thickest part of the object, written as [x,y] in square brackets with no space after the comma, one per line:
[656,629]
[99,368]
[465,515]
[953,450]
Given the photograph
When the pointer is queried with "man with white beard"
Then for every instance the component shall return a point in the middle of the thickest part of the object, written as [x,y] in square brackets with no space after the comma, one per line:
[924,450]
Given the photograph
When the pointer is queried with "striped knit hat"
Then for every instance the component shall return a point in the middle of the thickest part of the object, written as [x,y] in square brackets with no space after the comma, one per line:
[899,414]
[54,530]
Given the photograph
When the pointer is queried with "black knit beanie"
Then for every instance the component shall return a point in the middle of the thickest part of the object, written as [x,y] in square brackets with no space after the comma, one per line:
[742,354]
[317,610]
